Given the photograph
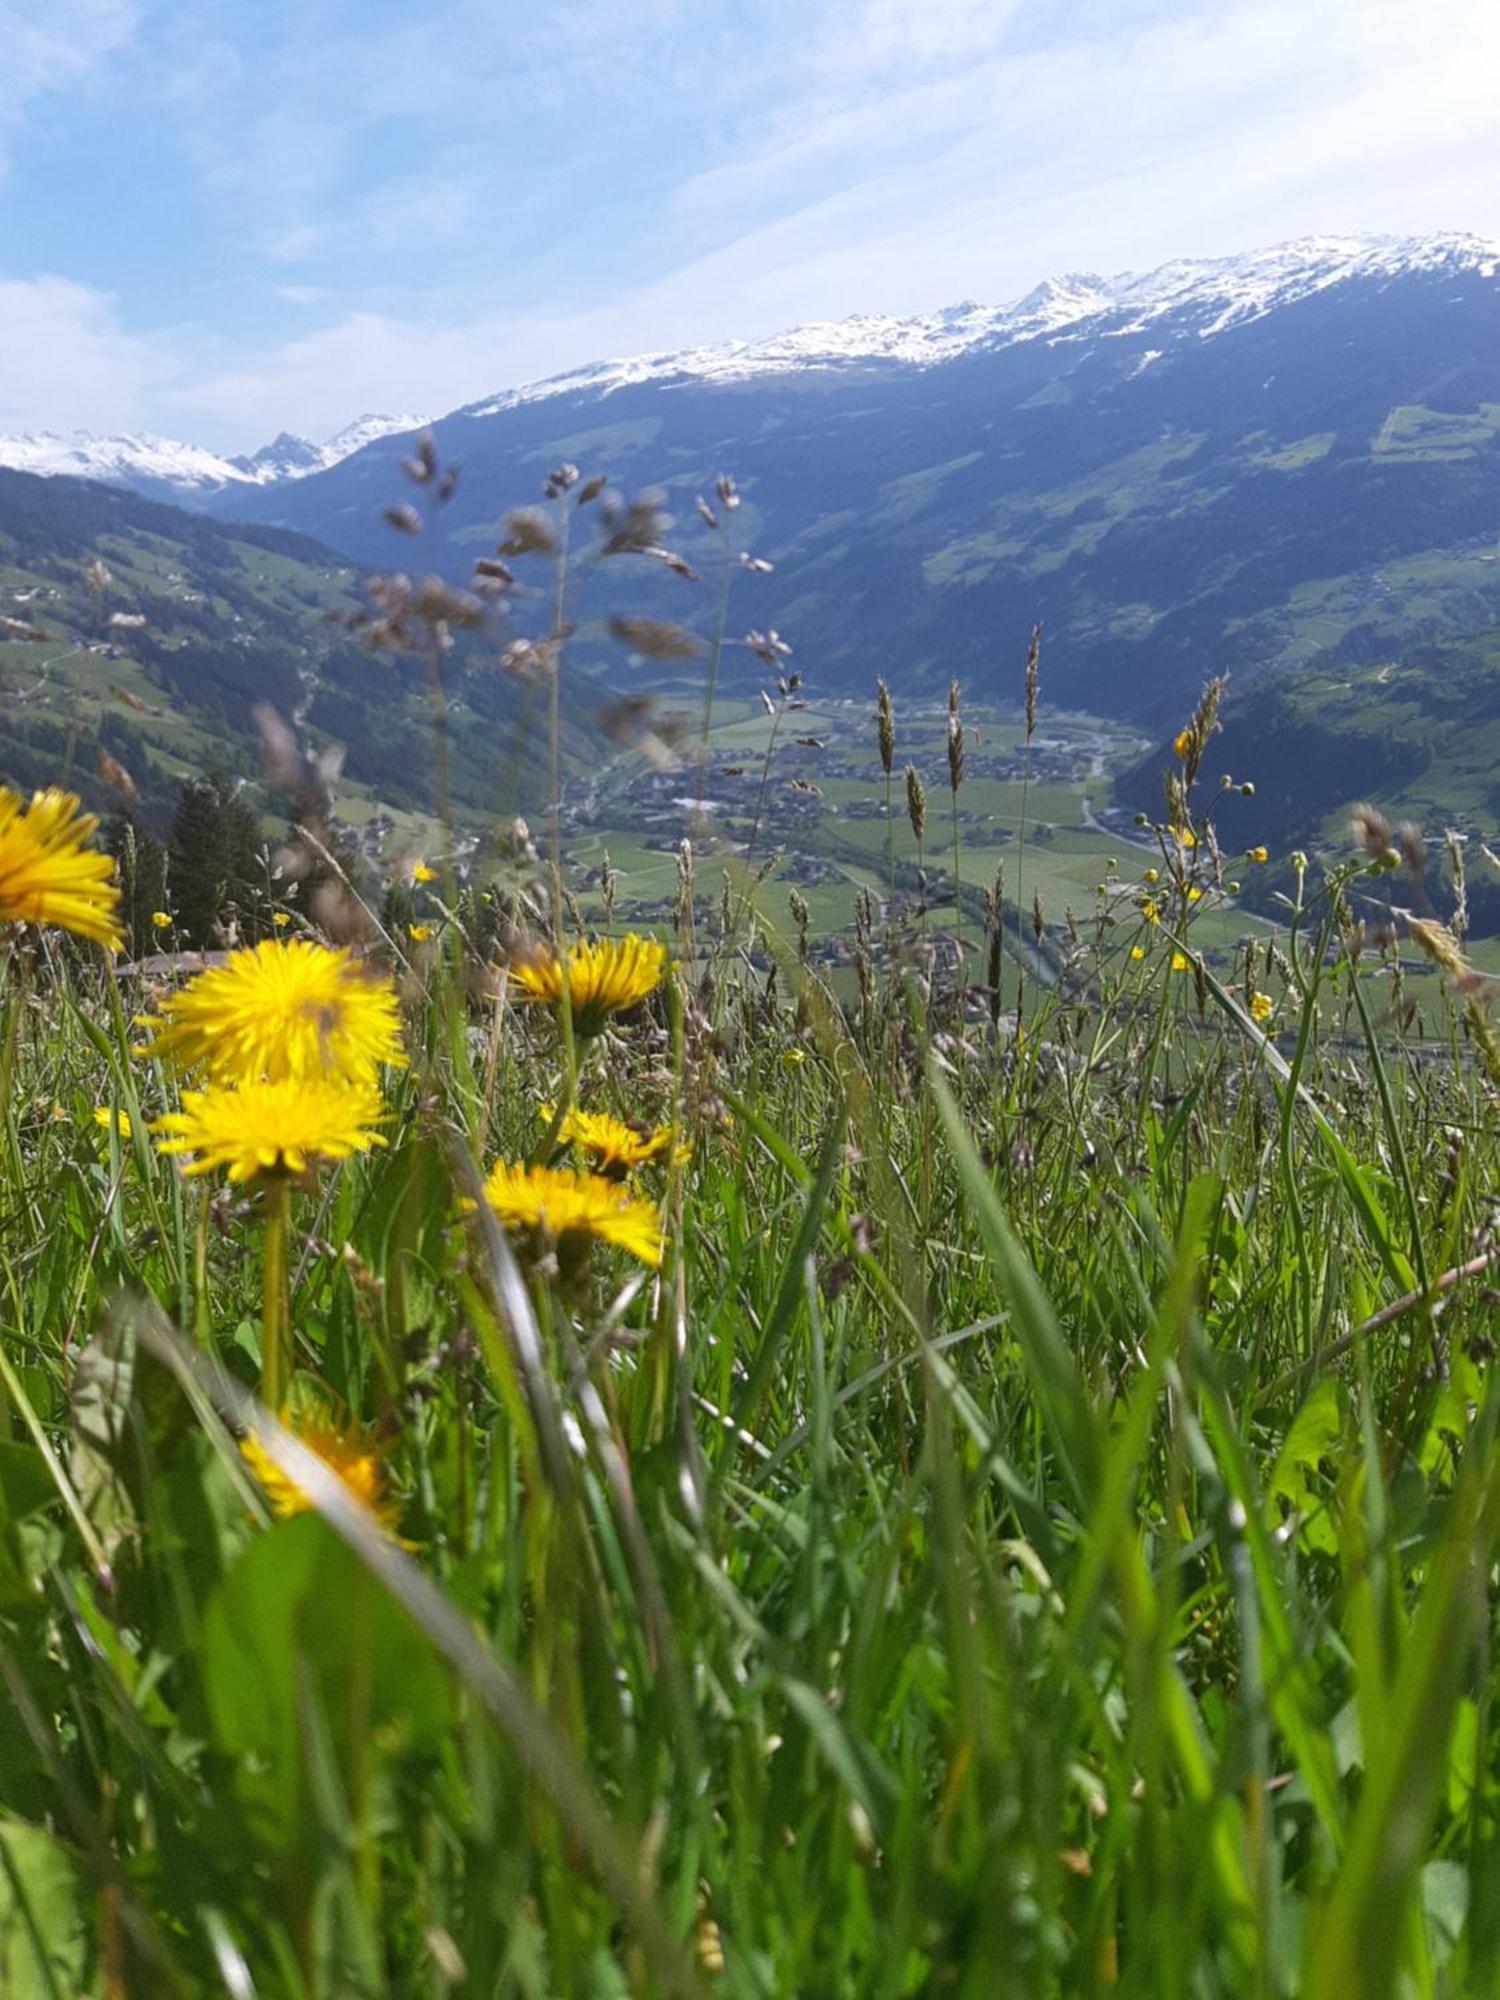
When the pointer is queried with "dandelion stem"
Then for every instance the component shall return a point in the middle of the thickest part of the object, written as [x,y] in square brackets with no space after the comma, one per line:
[275,1326]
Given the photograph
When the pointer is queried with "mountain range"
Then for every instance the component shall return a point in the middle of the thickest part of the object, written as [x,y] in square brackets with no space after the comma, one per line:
[1229,465]
[167,469]
[1185,300]
[1285,465]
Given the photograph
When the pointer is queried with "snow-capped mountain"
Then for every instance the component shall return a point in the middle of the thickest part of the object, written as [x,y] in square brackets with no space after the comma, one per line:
[1203,297]
[167,469]
[1190,300]
[139,459]
[1222,463]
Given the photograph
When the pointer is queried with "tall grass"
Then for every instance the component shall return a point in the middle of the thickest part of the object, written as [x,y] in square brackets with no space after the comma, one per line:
[1034,1534]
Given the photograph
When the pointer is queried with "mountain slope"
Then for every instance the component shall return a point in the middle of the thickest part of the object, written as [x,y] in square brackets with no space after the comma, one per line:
[1232,464]
[162,661]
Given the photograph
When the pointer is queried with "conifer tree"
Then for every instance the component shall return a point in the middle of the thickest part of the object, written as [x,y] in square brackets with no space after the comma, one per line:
[218,871]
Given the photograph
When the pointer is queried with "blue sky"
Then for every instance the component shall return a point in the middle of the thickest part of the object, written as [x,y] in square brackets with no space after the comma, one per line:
[221,218]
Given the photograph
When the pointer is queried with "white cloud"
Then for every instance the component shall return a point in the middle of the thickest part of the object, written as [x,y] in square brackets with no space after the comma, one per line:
[54,46]
[873,155]
[890,34]
[69,363]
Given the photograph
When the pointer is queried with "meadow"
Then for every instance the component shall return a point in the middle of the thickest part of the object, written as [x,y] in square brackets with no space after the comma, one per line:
[542,1460]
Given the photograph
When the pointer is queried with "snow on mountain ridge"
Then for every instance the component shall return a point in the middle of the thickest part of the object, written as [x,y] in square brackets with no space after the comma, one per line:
[141,458]
[1219,292]
[139,455]
[1178,301]
[368,430]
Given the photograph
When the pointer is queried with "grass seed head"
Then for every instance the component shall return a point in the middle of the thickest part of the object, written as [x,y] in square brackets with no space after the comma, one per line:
[916,802]
[885,725]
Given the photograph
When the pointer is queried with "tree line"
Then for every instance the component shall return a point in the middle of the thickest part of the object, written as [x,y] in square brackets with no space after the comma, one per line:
[211,876]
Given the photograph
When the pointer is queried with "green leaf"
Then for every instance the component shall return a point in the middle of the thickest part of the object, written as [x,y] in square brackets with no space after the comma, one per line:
[1316,1430]
[1070,1420]
[45,1924]
[26,1486]
[790,1292]
[299,1618]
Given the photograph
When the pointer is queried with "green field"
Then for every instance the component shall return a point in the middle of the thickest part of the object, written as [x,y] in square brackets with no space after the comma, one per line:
[1073,866]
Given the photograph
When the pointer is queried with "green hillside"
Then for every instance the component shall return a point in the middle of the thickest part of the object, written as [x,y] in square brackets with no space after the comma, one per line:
[1416,735]
[159,656]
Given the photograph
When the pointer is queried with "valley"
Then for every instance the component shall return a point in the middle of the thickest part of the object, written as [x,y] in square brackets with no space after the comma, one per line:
[1178,474]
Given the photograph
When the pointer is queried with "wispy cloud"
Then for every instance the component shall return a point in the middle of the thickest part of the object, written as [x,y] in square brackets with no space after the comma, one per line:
[425,209]
[70,364]
[50,48]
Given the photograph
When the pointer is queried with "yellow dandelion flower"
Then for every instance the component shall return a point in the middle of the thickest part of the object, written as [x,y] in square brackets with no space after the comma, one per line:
[161,920]
[565,1205]
[1137,951]
[279,1012]
[119,1120]
[1257,854]
[1182,743]
[345,1448]
[421,873]
[614,1146]
[265,1128]
[1180,961]
[419,933]
[603,978]
[48,875]
[1262,1006]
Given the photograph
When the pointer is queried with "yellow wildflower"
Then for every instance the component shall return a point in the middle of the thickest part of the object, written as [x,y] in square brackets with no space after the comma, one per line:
[1257,854]
[1184,836]
[1262,1006]
[1180,961]
[614,1146]
[1151,909]
[567,1205]
[118,1120]
[1137,951]
[264,1128]
[603,978]
[345,1448]
[281,1011]
[47,873]
[422,873]
[1194,894]
[280,919]
[161,920]
[1151,875]
[419,933]
[1182,743]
